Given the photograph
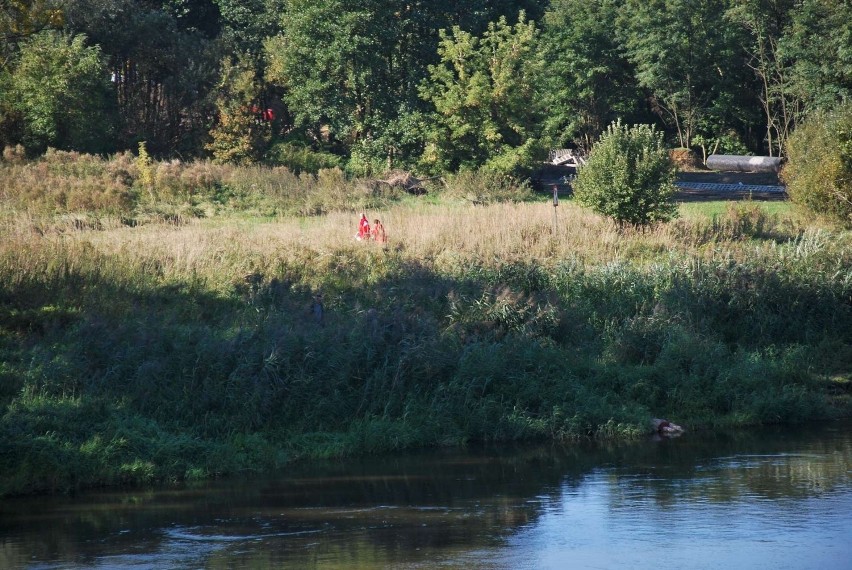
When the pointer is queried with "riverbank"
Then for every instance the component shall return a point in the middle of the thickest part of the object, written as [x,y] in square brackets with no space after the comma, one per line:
[188,348]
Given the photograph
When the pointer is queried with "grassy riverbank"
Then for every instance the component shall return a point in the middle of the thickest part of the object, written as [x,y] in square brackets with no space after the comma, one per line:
[184,347]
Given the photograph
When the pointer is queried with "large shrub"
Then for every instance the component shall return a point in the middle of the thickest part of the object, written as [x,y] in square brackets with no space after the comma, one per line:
[59,87]
[629,176]
[818,173]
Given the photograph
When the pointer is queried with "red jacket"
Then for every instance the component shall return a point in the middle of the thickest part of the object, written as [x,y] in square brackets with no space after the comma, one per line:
[379,234]
[364,228]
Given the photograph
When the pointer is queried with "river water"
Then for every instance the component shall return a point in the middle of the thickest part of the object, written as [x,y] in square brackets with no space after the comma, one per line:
[769,498]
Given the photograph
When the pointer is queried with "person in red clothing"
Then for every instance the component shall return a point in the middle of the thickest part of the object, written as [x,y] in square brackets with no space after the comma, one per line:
[379,235]
[363,228]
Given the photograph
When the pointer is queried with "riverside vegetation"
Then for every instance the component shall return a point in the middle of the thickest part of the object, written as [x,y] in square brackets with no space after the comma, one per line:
[155,319]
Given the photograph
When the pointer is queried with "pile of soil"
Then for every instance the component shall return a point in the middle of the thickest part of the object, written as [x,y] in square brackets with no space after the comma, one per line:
[685,159]
[401,179]
[406,181]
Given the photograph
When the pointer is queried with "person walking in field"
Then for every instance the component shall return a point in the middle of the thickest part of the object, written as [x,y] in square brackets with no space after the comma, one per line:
[363,228]
[379,235]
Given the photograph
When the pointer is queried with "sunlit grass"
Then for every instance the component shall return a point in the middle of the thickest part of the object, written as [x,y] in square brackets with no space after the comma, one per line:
[719,207]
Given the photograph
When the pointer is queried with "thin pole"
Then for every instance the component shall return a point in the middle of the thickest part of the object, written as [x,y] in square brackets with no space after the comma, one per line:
[555,204]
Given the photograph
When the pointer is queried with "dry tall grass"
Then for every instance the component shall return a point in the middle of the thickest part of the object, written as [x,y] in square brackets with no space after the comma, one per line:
[434,233]
[506,232]
[64,195]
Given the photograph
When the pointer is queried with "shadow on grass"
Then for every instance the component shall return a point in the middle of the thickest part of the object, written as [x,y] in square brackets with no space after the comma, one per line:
[121,382]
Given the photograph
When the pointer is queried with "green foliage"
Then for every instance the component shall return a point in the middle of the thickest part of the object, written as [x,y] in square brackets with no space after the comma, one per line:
[247,23]
[368,157]
[350,71]
[629,176]
[719,143]
[300,158]
[58,86]
[163,69]
[11,121]
[398,144]
[687,56]
[818,173]
[239,135]
[484,96]
[197,16]
[333,60]
[764,25]
[374,82]
[20,19]
[821,71]
[588,82]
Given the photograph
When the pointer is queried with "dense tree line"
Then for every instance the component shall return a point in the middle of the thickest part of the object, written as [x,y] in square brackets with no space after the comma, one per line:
[427,84]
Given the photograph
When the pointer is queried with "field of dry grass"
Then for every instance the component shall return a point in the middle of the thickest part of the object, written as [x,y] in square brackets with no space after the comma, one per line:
[507,231]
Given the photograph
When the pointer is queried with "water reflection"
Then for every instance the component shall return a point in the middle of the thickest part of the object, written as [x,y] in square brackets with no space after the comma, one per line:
[769,498]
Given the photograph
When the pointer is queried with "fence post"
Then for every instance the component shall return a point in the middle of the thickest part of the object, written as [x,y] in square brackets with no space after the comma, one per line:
[555,204]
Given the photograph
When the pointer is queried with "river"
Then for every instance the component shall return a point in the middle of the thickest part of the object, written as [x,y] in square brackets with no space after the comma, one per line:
[768,498]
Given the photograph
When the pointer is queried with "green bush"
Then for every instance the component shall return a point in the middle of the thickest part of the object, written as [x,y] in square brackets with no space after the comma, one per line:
[369,157]
[818,173]
[300,158]
[629,176]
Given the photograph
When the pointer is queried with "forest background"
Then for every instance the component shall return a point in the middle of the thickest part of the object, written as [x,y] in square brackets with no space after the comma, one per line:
[431,86]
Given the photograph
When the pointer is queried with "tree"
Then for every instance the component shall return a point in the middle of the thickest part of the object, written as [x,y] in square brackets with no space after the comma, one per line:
[685,55]
[240,135]
[818,42]
[333,62]
[475,15]
[59,87]
[195,16]
[484,95]
[588,81]
[629,176]
[764,22]
[162,76]
[20,19]
[350,70]
[246,24]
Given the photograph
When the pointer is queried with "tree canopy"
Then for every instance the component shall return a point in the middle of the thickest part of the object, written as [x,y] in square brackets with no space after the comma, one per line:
[428,84]
[483,91]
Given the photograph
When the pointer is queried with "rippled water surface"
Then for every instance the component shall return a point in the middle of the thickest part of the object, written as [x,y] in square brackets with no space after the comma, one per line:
[755,499]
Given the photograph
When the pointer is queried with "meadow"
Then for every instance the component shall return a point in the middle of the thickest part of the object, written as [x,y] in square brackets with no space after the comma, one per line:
[157,320]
